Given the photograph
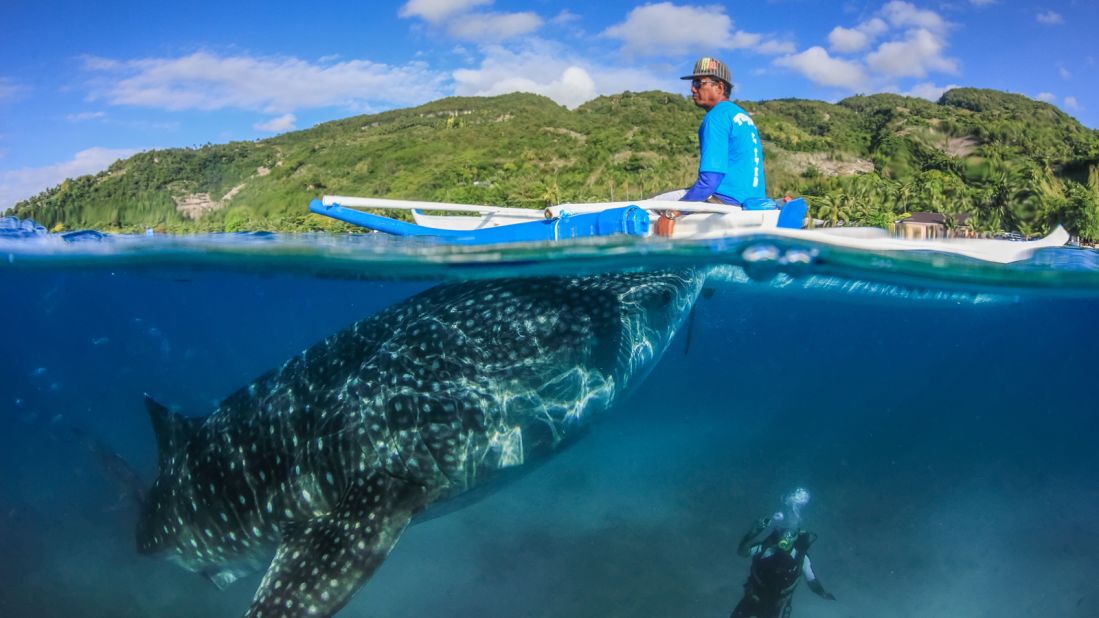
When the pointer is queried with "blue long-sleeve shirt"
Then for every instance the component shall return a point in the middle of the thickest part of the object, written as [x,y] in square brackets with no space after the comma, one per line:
[704,187]
[731,162]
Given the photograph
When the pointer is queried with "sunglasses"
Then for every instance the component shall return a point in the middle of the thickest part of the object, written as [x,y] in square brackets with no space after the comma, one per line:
[698,83]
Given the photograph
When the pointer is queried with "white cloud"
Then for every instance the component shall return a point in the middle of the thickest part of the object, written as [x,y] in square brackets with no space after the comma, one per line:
[1050,18]
[983,2]
[1064,73]
[929,91]
[545,69]
[774,47]
[1073,104]
[436,11]
[874,27]
[284,122]
[824,70]
[86,116]
[10,90]
[1048,97]
[914,49]
[564,17]
[571,88]
[669,29]
[915,56]
[493,27]
[456,18]
[846,40]
[666,28]
[905,15]
[97,63]
[206,81]
[16,185]
[850,40]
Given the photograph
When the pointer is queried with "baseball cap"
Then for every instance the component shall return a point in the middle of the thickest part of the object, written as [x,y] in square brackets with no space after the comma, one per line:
[710,67]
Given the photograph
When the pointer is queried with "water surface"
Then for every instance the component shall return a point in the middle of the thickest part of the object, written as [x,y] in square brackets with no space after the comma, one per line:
[940,410]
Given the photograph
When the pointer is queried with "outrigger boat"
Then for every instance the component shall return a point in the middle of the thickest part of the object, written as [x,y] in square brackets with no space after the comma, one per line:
[479,225]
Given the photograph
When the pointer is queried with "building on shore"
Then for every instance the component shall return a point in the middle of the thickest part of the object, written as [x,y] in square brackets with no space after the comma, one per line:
[927,225]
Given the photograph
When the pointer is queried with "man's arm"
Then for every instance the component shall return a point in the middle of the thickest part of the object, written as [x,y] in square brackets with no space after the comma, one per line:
[744,549]
[811,579]
[704,187]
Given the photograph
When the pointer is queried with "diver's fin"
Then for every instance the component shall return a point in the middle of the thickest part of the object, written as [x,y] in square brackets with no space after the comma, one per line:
[321,562]
[172,430]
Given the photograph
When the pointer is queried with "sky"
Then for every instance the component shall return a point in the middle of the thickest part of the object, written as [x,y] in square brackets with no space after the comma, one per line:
[83,84]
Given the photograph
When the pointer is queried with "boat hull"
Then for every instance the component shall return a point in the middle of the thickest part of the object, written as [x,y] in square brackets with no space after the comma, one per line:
[697,221]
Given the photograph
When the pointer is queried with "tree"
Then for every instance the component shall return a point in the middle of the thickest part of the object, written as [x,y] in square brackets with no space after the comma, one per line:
[551,193]
[832,209]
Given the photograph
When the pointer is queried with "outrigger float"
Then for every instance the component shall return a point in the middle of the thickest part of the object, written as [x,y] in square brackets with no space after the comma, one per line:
[473,224]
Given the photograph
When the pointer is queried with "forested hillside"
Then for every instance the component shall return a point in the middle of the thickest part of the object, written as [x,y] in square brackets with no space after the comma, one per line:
[1008,162]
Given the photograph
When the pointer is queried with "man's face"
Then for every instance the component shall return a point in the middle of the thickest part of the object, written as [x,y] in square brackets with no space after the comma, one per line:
[706,92]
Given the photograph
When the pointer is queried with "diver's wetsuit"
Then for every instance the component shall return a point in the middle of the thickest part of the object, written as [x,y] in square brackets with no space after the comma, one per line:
[776,566]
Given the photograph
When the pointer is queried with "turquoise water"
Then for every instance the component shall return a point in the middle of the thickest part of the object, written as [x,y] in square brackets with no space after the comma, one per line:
[941,411]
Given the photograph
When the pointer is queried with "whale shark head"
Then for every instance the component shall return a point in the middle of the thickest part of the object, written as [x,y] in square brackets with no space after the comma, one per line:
[653,308]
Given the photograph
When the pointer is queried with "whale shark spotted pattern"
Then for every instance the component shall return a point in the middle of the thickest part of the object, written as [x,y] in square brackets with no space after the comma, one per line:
[325,460]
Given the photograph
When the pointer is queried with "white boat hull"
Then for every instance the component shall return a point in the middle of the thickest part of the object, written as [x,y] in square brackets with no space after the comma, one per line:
[704,221]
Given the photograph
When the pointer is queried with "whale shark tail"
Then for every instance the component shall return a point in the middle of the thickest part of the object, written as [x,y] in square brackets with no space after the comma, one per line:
[130,488]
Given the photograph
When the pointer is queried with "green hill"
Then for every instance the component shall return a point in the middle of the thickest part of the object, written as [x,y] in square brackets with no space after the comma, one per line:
[1008,162]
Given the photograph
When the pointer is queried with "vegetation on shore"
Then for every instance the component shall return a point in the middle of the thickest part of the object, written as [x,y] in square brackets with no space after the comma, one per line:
[1007,162]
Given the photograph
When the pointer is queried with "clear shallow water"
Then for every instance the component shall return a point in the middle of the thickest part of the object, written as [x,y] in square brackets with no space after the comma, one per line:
[940,410]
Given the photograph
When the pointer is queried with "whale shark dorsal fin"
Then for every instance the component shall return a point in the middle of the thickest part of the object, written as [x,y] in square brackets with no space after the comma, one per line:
[322,561]
[172,430]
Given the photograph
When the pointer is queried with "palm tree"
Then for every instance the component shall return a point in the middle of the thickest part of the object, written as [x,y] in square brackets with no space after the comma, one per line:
[902,195]
[930,188]
[987,222]
[820,207]
[950,222]
[833,209]
[551,193]
[848,206]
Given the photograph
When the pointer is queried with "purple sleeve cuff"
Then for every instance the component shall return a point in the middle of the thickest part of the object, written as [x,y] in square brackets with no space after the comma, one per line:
[704,187]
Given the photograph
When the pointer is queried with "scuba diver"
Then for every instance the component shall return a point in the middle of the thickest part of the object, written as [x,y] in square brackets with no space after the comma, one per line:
[777,562]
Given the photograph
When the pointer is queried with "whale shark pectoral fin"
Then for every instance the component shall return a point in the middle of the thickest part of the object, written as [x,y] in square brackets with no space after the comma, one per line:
[321,562]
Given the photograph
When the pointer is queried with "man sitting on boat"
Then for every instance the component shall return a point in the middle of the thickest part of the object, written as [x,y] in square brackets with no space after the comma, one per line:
[730,169]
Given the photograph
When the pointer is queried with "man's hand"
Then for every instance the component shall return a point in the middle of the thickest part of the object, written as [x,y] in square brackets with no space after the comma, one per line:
[665,223]
[761,525]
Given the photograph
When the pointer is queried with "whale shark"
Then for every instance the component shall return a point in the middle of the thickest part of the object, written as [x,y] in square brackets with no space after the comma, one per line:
[315,469]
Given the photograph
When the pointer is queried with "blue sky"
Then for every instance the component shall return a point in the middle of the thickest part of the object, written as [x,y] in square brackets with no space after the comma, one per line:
[84,83]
